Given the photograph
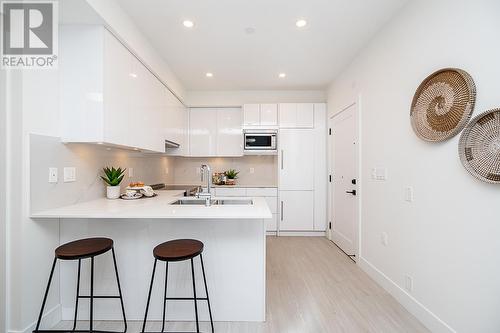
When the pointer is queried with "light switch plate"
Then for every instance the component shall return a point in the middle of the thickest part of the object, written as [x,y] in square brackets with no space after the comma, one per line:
[408,283]
[52,175]
[379,173]
[252,170]
[166,171]
[69,174]
[409,194]
[130,172]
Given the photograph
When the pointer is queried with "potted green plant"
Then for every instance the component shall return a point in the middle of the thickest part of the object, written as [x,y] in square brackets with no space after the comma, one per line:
[231,175]
[113,178]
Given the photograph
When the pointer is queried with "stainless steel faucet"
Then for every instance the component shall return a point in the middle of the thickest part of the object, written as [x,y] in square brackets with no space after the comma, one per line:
[206,172]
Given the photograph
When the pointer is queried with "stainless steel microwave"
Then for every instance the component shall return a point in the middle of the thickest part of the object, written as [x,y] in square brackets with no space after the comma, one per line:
[260,142]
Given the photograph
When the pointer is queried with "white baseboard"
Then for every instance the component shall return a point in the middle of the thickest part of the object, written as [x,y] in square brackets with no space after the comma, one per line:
[302,233]
[49,319]
[427,317]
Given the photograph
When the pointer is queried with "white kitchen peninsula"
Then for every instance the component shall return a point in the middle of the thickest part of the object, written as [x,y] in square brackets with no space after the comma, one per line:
[234,255]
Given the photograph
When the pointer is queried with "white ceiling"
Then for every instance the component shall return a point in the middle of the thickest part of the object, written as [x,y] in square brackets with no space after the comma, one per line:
[311,57]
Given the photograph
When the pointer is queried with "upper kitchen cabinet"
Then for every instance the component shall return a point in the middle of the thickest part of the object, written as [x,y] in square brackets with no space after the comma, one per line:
[107,95]
[229,132]
[176,126]
[202,132]
[296,115]
[215,132]
[260,115]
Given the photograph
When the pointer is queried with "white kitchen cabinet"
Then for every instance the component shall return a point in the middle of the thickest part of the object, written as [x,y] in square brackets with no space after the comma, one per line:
[268,114]
[296,115]
[296,210]
[117,87]
[230,192]
[260,115]
[229,132]
[202,132]
[215,132]
[176,125]
[251,114]
[107,95]
[270,194]
[296,159]
[320,167]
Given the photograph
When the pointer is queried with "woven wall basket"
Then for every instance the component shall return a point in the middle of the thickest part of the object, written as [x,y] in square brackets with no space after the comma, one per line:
[443,104]
[479,146]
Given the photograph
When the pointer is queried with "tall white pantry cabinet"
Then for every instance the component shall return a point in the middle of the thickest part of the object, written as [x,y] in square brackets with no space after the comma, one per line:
[302,168]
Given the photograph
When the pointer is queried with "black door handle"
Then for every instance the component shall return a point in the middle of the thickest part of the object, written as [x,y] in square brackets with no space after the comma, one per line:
[353,192]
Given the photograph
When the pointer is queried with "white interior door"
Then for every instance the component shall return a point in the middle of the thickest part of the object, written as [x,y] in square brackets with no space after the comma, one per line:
[344,187]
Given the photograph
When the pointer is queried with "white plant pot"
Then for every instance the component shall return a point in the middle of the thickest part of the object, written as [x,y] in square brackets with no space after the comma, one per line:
[112,192]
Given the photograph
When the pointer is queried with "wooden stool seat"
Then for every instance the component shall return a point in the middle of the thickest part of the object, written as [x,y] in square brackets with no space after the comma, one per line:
[178,250]
[84,248]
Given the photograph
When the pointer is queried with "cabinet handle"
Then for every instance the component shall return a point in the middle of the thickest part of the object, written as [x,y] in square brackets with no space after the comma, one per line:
[282,153]
[281,211]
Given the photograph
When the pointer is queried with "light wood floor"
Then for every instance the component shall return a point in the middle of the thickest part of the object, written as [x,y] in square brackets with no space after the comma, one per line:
[312,287]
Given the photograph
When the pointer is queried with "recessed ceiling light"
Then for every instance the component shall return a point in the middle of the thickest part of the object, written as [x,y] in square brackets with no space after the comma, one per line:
[282,75]
[301,23]
[188,23]
[209,74]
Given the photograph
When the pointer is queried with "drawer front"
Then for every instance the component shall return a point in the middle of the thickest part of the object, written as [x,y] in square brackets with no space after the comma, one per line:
[262,192]
[230,192]
[272,202]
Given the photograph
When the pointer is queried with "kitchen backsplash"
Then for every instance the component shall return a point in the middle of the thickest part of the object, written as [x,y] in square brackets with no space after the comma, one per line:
[88,159]
[254,170]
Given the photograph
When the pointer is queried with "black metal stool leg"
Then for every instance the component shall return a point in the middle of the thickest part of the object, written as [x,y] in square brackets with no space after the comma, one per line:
[149,296]
[165,297]
[91,294]
[45,296]
[119,290]
[206,292]
[195,300]
[77,293]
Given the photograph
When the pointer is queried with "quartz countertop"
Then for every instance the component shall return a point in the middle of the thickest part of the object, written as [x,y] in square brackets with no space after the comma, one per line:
[159,207]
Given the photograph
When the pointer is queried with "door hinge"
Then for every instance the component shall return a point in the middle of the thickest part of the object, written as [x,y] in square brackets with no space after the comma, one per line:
[330,178]
[330,225]
[329,131]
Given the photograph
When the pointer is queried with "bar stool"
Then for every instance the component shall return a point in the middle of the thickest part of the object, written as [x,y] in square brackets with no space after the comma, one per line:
[78,250]
[172,251]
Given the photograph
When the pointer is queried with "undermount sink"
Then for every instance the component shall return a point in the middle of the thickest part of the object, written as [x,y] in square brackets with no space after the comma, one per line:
[201,202]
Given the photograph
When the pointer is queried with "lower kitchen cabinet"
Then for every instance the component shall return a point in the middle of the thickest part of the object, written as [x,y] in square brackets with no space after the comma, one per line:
[296,210]
[270,194]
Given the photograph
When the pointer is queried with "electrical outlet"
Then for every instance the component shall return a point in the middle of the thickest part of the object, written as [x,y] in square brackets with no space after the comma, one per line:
[409,194]
[384,238]
[130,172]
[69,174]
[52,175]
[408,283]
[252,170]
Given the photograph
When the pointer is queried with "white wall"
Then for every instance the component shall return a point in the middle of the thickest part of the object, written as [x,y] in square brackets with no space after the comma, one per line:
[447,239]
[240,97]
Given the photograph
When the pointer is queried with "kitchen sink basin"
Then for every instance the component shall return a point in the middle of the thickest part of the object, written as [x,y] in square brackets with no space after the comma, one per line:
[201,202]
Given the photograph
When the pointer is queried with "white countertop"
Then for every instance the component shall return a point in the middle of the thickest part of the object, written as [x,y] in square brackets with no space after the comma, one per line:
[158,207]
